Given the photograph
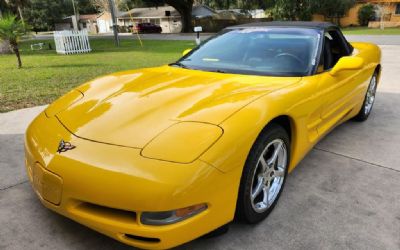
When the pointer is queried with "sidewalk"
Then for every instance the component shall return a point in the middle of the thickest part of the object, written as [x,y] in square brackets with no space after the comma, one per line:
[16,122]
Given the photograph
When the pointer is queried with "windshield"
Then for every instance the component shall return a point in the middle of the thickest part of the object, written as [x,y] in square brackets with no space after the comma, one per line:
[273,51]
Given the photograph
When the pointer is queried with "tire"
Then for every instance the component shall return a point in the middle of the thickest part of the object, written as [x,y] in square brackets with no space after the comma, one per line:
[369,99]
[253,204]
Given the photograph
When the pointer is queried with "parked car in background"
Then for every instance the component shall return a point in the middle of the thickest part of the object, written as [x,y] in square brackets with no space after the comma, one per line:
[147,28]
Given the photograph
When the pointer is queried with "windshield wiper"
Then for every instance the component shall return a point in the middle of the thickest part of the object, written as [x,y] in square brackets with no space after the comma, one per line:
[218,71]
[178,64]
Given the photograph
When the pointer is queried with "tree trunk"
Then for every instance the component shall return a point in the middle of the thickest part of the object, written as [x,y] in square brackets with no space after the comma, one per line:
[16,52]
[185,10]
[187,21]
[20,14]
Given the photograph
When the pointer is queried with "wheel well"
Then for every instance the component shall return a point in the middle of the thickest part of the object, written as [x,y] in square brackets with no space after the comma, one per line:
[378,70]
[285,122]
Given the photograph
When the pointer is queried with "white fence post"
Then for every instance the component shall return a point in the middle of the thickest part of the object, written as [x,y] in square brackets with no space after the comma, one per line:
[72,42]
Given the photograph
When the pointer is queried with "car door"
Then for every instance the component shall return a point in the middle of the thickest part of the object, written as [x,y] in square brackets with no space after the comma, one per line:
[336,91]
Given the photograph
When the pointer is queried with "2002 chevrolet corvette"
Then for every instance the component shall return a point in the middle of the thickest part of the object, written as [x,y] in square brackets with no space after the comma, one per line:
[157,157]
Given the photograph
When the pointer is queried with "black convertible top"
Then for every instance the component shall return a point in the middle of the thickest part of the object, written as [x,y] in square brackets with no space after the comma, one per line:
[315,25]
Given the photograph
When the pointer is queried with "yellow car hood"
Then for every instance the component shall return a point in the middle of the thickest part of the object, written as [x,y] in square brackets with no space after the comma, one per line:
[130,108]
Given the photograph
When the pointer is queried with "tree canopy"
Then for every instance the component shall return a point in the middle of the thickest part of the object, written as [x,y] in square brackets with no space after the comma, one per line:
[11,30]
[237,4]
[292,10]
[333,10]
[365,14]
[43,14]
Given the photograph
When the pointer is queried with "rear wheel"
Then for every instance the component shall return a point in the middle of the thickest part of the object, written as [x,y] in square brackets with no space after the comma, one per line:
[264,175]
[368,100]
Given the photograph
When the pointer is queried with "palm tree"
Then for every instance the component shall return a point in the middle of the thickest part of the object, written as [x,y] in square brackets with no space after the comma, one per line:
[18,4]
[12,30]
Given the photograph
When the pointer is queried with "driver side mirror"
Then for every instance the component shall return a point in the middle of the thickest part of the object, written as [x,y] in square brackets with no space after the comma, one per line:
[347,63]
[186,51]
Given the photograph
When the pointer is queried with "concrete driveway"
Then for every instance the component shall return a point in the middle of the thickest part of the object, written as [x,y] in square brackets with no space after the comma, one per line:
[344,195]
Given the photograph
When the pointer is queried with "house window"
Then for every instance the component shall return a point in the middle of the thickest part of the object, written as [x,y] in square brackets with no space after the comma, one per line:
[397,9]
[155,21]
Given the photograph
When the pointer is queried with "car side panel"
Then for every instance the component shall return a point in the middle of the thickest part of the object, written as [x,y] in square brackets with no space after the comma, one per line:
[345,92]
[337,96]
[302,103]
[298,102]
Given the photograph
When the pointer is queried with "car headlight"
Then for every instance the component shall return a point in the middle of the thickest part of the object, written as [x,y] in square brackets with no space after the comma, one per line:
[183,142]
[170,217]
[63,102]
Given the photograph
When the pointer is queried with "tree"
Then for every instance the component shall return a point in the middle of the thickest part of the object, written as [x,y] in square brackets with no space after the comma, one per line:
[333,10]
[101,5]
[237,4]
[86,7]
[292,10]
[12,30]
[43,14]
[122,5]
[365,14]
[17,6]
[382,10]
[125,5]
[4,8]
[184,7]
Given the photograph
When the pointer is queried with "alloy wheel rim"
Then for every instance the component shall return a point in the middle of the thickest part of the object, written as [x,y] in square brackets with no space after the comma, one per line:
[369,102]
[268,176]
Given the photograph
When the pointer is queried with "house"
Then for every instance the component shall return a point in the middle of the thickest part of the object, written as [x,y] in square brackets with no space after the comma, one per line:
[217,20]
[94,23]
[88,22]
[232,14]
[166,16]
[104,22]
[389,8]
[389,11]
[258,13]
[67,23]
[202,11]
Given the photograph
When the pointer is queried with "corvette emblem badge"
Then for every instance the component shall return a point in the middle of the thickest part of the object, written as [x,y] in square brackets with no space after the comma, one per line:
[64,146]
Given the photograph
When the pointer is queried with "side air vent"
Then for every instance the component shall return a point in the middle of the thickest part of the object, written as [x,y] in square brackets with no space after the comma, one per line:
[144,239]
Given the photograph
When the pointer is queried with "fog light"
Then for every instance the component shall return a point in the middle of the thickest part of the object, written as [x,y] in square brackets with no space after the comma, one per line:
[170,217]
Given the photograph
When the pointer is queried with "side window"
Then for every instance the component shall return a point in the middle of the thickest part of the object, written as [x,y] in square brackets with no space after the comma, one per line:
[334,49]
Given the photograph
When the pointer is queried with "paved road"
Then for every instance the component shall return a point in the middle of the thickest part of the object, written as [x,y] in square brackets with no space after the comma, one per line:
[377,39]
[344,195]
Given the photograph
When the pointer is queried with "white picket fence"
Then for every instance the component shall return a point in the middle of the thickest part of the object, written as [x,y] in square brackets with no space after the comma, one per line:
[72,42]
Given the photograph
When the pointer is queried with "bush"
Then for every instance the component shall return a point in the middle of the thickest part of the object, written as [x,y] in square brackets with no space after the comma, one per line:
[365,14]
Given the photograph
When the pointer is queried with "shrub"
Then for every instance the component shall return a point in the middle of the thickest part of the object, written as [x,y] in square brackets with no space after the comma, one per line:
[365,14]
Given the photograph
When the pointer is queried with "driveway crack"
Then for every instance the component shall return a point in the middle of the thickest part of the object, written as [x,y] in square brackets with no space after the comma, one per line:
[14,185]
[356,159]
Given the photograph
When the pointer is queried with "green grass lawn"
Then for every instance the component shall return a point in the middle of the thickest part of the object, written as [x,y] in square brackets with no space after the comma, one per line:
[46,75]
[370,31]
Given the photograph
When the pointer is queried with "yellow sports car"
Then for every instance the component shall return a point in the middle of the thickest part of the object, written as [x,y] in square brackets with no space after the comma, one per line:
[157,157]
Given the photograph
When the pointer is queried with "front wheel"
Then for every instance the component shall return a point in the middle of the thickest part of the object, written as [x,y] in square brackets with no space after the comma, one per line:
[264,175]
[368,100]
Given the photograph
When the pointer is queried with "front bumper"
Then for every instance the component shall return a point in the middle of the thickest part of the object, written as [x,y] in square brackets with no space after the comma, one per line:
[107,187]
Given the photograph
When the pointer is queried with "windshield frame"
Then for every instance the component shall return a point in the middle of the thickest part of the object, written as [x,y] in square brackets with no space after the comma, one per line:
[311,71]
